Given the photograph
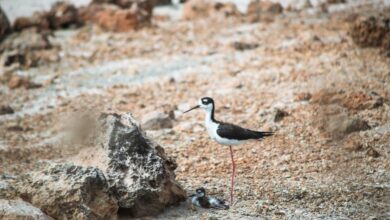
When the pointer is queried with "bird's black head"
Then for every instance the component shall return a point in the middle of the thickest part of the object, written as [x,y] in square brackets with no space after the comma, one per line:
[206,103]
[200,192]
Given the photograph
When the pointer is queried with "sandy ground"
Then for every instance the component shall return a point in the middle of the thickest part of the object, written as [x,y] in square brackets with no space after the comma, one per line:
[305,65]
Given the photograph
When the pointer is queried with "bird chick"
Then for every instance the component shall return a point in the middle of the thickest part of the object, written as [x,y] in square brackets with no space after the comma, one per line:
[200,199]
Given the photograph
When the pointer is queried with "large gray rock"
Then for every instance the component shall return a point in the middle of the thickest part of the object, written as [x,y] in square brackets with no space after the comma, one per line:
[66,191]
[18,209]
[4,25]
[139,173]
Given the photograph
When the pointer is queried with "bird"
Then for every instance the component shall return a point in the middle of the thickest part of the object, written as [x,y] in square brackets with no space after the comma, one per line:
[226,133]
[200,199]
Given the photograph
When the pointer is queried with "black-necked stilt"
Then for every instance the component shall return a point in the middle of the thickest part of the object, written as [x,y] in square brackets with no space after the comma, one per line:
[201,200]
[226,134]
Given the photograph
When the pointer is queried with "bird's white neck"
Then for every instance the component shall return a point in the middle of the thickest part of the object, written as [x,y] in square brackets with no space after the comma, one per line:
[209,117]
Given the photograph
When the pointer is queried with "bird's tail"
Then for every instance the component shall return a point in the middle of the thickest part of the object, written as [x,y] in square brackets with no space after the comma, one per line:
[262,134]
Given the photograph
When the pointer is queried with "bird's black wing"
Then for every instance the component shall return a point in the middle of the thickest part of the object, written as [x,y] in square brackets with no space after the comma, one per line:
[235,132]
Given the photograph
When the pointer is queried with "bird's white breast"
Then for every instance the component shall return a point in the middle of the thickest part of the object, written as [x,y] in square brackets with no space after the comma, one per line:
[212,128]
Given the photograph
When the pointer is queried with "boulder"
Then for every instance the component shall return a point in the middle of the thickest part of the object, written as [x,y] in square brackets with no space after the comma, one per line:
[4,25]
[139,173]
[18,209]
[66,191]
[156,120]
[196,9]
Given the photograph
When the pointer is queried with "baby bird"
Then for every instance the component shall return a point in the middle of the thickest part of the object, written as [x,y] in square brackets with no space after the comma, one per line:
[201,200]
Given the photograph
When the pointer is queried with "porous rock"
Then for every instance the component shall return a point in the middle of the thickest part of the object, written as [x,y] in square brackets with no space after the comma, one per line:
[18,209]
[66,191]
[139,173]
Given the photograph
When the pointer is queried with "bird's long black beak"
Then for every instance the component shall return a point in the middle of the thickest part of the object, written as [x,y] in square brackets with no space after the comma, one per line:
[195,107]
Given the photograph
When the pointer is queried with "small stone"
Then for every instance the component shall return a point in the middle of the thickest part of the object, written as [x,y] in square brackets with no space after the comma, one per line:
[263,10]
[353,143]
[278,114]
[244,46]
[372,152]
[18,81]
[6,109]
[303,96]
[197,9]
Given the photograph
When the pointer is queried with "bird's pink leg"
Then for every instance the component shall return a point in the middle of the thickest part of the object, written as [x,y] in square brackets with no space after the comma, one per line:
[233,174]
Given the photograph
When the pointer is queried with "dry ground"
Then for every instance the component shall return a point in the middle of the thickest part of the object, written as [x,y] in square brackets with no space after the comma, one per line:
[307,66]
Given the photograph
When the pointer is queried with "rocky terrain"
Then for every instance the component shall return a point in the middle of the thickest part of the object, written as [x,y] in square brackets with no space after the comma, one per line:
[316,74]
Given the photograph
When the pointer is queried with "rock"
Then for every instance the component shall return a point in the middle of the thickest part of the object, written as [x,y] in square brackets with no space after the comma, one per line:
[27,48]
[38,20]
[28,39]
[373,31]
[63,15]
[139,173]
[373,153]
[156,120]
[4,25]
[66,191]
[7,191]
[336,1]
[164,2]
[6,109]
[303,96]
[131,14]
[18,81]
[278,114]
[353,143]
[263,10]
[195,9]
[17,209]
[112,18]
[244,46]
[146,5]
